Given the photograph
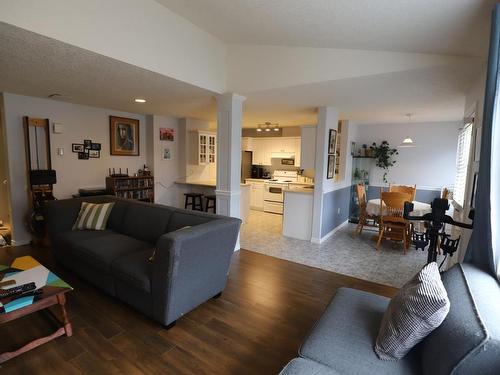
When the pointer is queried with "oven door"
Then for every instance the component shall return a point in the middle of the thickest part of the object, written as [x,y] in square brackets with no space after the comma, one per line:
[273,193]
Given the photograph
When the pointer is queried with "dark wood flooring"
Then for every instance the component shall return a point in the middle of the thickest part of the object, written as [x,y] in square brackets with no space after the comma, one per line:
[255,327]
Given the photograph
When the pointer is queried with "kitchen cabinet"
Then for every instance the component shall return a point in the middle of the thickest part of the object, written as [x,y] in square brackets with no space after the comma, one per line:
[264,149]
[204,146]
[246,144]
[308,147]
[256,195]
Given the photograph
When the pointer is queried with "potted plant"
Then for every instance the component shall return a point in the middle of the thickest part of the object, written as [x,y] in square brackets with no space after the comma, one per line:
[384,156]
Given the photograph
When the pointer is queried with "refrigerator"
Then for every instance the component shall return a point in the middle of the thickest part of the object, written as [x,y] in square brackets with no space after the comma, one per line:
[246,165]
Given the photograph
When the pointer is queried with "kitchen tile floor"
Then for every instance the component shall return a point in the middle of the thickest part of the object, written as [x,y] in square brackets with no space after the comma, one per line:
[342,253]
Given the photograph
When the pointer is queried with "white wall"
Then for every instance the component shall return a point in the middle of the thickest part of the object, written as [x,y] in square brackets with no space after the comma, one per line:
[166,172]
[80,122]
[4,187]
[139,32]
[430,165]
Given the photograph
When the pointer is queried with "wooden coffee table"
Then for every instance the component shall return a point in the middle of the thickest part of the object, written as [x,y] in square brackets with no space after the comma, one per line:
[23,270]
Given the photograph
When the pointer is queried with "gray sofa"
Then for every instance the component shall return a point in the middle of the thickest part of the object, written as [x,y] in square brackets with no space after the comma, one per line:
[190,265]
[467,342]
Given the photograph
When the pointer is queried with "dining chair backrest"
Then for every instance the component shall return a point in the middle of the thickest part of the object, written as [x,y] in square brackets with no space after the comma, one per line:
[394,203]
[412,190]
[361,193]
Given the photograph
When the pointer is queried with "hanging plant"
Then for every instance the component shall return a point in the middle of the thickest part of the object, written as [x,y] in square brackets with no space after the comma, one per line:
[384,156]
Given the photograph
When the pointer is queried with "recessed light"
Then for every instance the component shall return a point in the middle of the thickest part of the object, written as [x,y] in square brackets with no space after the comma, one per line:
[138,100]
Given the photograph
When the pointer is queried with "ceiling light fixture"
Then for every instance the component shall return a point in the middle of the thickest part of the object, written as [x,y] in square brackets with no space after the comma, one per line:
[407,142]
[267,127]
[139,100]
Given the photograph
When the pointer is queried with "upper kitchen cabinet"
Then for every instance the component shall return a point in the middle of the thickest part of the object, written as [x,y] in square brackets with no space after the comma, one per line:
[203,146]
[246,144]
[265,149]
[308,147]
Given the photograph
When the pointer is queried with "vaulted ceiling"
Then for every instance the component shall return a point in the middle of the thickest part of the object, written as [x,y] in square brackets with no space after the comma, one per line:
[374,60]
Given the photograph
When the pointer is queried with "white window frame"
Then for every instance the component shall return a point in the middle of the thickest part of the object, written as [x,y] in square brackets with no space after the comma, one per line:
[465,155]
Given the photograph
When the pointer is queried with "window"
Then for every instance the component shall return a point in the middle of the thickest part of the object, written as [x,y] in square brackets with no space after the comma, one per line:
[463,151]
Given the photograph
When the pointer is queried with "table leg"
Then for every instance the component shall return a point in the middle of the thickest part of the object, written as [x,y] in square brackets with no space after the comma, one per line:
[68,329]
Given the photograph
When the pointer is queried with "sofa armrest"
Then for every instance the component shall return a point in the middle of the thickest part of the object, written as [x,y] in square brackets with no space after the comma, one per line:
[191,266]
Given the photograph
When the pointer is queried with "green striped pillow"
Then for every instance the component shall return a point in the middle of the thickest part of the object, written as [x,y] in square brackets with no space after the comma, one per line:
[93,216]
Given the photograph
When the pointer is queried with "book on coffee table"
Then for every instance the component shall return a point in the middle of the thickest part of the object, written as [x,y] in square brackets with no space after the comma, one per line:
[24,270]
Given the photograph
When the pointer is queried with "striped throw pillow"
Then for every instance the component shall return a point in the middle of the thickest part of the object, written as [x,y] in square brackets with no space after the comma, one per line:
[93,216]
[418,308]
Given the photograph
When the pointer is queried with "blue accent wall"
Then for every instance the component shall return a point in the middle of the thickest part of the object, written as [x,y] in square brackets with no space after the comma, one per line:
[426,196]
[332,201]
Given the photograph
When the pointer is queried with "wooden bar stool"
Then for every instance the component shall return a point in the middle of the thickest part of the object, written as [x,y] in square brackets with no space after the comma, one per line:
[210,203]
[193,201]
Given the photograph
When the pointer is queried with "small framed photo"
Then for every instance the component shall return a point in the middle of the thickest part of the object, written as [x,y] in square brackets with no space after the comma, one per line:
[87,143]
[167,134]
[332,141]
[167,154]
[83,155]
[95,154]
[95,146]
[77,147]
[331,167]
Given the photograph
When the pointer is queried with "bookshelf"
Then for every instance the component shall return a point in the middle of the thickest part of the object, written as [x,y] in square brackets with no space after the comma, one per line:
[140,188]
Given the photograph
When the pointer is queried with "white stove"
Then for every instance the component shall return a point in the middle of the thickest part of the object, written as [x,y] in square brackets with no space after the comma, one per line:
[273,190]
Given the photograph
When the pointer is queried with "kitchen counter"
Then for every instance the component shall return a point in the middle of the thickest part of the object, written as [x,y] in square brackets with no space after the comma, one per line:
[203,183]
[297,212]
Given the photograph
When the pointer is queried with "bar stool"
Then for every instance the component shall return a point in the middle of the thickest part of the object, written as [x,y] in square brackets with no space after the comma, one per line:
[210,203]
[194,201]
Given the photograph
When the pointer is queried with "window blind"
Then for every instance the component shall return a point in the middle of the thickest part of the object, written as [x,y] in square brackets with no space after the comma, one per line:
[463,151]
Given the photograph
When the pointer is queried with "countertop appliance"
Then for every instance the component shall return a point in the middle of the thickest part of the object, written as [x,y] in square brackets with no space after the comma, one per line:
[273,190]
[257,171]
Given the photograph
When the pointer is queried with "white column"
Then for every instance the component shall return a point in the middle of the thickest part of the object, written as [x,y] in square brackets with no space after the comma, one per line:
[229,111]
[327,119]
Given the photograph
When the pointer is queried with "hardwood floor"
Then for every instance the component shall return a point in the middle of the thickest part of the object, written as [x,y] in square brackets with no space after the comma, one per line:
[255,327]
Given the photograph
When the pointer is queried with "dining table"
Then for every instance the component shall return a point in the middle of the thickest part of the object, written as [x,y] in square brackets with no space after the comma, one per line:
[419,209]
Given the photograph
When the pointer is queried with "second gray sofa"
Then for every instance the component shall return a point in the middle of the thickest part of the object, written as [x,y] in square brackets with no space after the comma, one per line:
[192,253]
[467,342]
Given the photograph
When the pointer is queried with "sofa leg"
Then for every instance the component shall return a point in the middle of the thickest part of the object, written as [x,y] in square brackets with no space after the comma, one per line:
[217,295]
[171,324]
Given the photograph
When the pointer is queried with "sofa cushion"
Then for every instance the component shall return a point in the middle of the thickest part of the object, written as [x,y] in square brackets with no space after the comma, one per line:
[344,337]
[100,251]
[302,366]
[146,222]
[184,218]
[134,269]
[468,341]
[72,237]
[418,308]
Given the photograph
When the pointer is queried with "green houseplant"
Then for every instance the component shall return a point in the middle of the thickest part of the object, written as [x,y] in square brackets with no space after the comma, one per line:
[384,156]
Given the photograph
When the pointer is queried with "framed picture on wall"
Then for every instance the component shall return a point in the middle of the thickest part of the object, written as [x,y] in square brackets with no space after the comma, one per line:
[77,147]
[167,134]
[167,154]
[332,141]
[331,167]
[95,154]
[124,136]
[95,146]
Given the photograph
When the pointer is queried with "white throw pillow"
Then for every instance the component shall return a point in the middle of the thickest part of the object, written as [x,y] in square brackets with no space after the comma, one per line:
[416,310]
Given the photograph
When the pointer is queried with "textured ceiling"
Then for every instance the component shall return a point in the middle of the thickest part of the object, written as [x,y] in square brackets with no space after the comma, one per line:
[35,65]
[458,27]
[31,64]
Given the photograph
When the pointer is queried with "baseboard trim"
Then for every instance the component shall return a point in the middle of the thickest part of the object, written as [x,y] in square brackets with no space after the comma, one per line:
[329,234]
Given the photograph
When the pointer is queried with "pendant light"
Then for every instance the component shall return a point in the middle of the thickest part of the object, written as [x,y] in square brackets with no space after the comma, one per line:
[407,142]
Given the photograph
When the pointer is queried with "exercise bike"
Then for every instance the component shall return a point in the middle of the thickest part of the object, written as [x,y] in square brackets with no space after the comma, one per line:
[435,237]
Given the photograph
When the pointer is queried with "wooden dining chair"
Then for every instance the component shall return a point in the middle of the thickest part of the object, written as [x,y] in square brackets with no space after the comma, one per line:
[404,189]
[363,215]
[393,226]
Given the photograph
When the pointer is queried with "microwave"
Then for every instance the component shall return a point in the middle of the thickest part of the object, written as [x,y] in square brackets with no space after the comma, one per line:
[287,161]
